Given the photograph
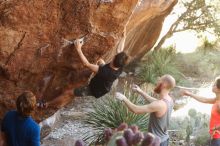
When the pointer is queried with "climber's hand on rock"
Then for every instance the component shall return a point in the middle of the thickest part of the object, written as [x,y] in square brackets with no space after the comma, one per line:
[66,42]
[120,96]
[78,43]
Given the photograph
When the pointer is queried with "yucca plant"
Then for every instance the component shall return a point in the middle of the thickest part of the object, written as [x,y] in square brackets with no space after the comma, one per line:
[110,113]
[159,63]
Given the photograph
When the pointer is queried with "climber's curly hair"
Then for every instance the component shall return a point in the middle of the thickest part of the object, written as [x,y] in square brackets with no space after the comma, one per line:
[120,60]
[26,103]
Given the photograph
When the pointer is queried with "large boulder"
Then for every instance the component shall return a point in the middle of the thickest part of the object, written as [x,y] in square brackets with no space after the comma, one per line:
[31,32]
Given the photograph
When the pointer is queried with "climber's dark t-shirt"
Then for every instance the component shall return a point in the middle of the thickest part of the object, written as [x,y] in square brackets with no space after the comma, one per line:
[102,82]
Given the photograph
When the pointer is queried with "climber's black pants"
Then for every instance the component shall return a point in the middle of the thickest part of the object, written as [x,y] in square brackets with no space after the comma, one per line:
[82,91]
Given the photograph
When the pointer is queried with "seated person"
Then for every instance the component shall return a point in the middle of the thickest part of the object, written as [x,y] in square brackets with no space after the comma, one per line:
[18,126]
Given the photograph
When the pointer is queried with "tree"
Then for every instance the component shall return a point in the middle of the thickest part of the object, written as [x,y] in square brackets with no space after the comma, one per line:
[199,16]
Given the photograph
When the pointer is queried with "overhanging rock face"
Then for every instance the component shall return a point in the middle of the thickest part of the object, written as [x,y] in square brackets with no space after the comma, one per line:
[31,33]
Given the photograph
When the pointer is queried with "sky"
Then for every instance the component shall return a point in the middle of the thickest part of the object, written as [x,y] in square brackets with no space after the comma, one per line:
[185,42]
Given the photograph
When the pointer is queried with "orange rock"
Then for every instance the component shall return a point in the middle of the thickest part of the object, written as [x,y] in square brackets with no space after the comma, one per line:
[31,33]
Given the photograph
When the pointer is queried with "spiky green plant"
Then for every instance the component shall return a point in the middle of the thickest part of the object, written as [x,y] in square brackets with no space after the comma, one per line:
[158,63]
[193,64]
[208,46]
[109,112]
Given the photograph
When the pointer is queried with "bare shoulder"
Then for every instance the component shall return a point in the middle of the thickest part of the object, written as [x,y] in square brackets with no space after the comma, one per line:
[159,103]
[157,106]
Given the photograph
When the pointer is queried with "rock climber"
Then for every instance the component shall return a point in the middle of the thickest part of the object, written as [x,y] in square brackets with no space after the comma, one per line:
[104,76]
[215,113]
[160,109]
[18,126]
[102,80]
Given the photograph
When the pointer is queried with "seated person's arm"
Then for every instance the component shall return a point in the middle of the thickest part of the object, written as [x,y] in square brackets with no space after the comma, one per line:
[140,109]
[199,98]
[2,127]
[3,124]
[92,67]
[3,131]
[35,136]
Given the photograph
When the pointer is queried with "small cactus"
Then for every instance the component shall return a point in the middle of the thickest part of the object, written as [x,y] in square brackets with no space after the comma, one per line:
[128,135]
[122,127]
[121,142]
[148,139]
[79,143]
[137,138]
[124,136]
[156,141]
[134,128]
[108,134]
[114,137]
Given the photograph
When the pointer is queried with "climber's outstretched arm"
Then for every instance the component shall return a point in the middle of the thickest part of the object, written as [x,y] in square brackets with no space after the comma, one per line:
[78,46]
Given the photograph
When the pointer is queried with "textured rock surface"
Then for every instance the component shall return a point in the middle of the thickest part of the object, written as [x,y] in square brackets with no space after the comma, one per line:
[31,31]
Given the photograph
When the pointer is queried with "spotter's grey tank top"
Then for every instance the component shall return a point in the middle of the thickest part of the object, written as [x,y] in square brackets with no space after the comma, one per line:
[159,126]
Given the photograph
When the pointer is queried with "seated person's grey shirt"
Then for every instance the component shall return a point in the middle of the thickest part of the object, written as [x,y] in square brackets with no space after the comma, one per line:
[159,126]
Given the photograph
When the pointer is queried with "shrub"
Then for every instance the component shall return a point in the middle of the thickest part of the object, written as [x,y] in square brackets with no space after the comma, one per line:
[203,138]
[110,113]
[207,46]
[198,64]
[159,63]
